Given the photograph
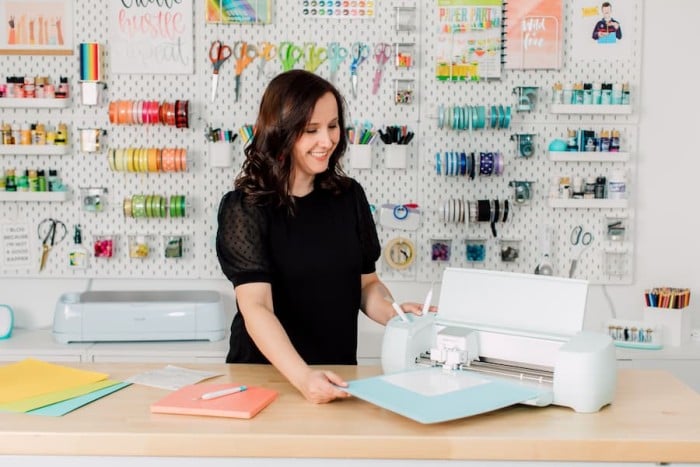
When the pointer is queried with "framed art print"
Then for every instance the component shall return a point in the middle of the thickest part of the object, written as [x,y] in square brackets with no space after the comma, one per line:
[36,27]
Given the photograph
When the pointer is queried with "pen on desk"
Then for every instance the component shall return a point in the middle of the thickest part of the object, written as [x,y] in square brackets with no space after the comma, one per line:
[224,392]
[400,312]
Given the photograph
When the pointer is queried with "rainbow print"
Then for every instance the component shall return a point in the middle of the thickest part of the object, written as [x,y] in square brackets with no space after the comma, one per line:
[89,61]
[238,11]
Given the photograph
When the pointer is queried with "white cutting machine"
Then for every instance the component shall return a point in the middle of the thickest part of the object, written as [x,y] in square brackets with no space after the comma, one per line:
[514,327]
[145,315]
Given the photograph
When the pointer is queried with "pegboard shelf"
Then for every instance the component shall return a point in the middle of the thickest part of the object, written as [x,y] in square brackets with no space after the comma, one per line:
[592,109]
[588,203]
[34,103]
[34,149]
[577,156]
[43,196]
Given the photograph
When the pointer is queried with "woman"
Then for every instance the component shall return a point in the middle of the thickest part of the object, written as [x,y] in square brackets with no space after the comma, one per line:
[297,240]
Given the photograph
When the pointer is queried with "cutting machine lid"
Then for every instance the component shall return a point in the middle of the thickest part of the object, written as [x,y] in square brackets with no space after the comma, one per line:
[513,302]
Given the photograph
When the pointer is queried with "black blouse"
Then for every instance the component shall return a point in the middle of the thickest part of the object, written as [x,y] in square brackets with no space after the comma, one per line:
[313,261]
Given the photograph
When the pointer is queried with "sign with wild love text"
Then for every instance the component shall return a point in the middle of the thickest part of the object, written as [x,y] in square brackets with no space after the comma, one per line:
[151,36]
[534,35]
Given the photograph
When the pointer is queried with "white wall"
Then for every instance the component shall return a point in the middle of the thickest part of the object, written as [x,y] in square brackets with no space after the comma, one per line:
[666,227]
[667,251]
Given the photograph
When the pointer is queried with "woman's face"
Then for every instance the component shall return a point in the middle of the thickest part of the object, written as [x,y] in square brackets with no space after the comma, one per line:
[314,148]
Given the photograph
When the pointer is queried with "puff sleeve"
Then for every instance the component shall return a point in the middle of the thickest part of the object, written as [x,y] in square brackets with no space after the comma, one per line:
[241,240]
[367,231]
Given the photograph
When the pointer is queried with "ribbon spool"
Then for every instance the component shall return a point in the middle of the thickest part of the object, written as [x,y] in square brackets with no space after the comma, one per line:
[400,253]
[491,211]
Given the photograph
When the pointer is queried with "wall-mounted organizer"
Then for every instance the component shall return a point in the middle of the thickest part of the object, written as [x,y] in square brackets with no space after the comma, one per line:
[119,161]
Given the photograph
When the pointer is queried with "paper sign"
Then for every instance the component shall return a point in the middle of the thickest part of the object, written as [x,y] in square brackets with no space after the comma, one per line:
[151,37]
[15,245]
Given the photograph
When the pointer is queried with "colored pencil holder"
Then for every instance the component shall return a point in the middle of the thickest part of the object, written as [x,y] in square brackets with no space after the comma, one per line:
[676,323]
[221,154]
[360,156]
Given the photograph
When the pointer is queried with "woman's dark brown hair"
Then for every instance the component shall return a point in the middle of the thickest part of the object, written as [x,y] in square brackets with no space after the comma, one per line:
[285,110]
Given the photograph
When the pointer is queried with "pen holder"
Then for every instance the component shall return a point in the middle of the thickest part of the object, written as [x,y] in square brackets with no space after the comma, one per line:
[676,323]
[360,156]
[221,154]
[396,156]
[90,139]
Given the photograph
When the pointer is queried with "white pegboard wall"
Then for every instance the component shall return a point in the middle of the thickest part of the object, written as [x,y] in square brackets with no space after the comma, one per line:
[525,222]
[204,185]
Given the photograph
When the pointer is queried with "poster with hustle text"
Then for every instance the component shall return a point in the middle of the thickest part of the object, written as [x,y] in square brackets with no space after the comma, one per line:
[151,37]
[533,34]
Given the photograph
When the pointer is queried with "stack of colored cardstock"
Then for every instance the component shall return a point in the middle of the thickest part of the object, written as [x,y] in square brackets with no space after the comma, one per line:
[42,388]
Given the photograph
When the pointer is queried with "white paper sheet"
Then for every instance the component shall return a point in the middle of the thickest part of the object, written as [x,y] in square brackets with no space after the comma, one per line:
[171,377]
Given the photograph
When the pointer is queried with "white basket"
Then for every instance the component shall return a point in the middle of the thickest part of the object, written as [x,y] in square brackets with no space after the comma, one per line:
[396,156]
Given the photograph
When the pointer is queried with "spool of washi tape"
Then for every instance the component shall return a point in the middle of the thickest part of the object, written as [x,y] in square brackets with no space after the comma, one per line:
[90,61]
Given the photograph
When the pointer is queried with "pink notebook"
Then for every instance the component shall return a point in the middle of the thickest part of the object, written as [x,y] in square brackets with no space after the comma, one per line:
[245,404]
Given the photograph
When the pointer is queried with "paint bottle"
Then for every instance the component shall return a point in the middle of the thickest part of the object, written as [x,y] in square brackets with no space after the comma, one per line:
[63,91]
[614,141]
[25,134]
[54,182]
[571,144]
[40,134]
[578,93]
[617,94]
[41,180]
[10,182]
[29,87]
[33,180]
[23,181]
[557,93]
[606,94]
[587,93]
[625,94]
[7,134]
[604,141]
[78,255]
[600,187]
[61,134]
[568,94]
[596,93]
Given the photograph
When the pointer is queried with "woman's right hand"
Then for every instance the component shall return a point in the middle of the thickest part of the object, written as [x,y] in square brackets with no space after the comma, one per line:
[319,386]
